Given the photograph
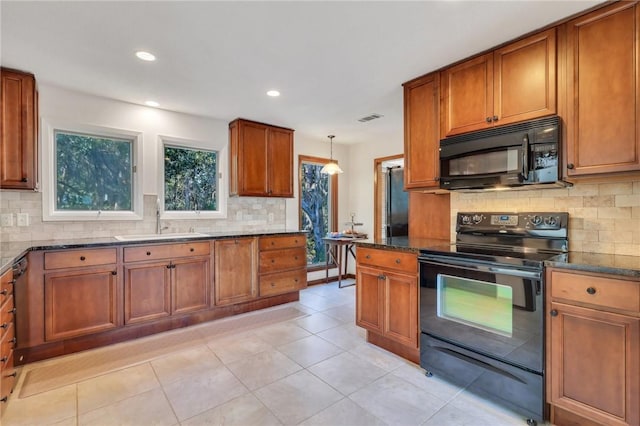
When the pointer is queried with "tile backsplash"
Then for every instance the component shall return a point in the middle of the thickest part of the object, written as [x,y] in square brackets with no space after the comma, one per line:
[603,217]
[243,214]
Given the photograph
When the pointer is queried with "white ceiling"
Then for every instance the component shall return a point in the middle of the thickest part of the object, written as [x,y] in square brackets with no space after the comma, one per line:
[334,62]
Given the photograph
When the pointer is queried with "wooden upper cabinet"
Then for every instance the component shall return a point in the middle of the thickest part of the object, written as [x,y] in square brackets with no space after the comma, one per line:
[421,136]
[602,91]
[513,83]
[261,160]
[18,130]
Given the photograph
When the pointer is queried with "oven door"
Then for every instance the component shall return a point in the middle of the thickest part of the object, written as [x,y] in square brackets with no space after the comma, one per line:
[493,310]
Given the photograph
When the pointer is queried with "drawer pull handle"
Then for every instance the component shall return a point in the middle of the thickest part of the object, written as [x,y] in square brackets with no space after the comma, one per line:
[114,272]
[368,256]
[382,277]
[14,340]
[148,253]
[495,118]
[591,290]
[296,257]
[488,119]
[4,292]
[4,399]
[398,261]
[273,261]
[273,284]
[192,249]
[83,258]
[168,266]
[4,359]
[13,311]
[296,241]
[14,374]
[14,281]
[273,243]
[553,313]
[5,326]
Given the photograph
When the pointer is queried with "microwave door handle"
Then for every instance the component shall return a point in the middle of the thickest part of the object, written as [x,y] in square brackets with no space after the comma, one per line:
[525,157]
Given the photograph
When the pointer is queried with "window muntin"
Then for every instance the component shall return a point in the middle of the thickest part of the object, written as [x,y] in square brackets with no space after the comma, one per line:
[93,172]
[190,179]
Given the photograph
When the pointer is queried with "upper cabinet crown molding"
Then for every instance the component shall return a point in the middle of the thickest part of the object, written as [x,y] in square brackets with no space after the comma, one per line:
[261,160]
[513,83]
[18,130]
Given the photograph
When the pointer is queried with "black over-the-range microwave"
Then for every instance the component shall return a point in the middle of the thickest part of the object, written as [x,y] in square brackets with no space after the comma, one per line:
[524,155]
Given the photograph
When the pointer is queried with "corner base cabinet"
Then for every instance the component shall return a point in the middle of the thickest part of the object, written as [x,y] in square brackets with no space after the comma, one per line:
[593,348]
[387,299]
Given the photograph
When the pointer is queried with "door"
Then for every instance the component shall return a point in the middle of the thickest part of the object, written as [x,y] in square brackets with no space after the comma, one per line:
[369,298]
[190,285]
[280,160]
[147,291]
[603,109]
[235,271]
[590,351]
[252,159]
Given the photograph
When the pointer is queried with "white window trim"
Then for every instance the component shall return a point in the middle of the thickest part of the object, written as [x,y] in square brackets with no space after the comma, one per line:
[49,212]
[221,213]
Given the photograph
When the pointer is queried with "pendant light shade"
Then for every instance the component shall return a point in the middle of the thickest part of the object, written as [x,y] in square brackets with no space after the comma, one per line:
[331,168]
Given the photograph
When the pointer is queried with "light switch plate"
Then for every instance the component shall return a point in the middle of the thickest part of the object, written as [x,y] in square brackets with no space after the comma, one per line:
[6,219]
[23,219]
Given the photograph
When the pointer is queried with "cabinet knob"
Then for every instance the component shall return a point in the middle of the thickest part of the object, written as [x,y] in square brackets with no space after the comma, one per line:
[168,266]
[14,340]
[4,399]
[273,284]
[296,257]
[4,359]
[14,374]
[24,180]
[148,253]
[14,281]
[13,311]
[273,243]
[295,280]
[5,326]
[83,258]
[553,313]
[398,261]
[382,277]
[368,256]
[488,119]
[114,272]
[570,166]
[192,249]
[591,290]
[296,241]
[273,261]
[4,292]
[495,118]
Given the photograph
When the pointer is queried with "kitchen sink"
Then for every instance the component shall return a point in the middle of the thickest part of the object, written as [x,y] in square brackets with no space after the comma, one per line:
[150,237]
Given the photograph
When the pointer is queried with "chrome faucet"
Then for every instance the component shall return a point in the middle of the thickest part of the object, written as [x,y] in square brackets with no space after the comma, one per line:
[158,228]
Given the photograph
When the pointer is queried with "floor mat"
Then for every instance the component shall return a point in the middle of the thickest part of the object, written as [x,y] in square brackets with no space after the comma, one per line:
[85,365]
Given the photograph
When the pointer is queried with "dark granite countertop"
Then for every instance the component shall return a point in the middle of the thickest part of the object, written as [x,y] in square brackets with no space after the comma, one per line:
[627,266]
[12,251]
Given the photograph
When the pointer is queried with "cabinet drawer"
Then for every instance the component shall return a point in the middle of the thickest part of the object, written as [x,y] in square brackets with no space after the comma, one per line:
[388,259]
[281,260]
[165,251]
[283,282]
[271,243]
[76,258]
[8,382]
[596,290]
[6,286]
[6,315]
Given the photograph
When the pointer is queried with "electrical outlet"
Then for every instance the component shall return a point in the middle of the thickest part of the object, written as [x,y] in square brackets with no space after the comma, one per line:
[6,219]
[23,219]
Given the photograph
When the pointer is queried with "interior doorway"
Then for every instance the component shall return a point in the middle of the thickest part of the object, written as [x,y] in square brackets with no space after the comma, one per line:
[390,199]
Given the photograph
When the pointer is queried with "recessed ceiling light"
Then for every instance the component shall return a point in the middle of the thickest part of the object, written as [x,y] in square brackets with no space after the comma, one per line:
[145,56]
[273,93]
[152,104]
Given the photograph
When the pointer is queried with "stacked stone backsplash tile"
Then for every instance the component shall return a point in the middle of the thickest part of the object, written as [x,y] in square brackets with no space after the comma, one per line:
[243,214]
[603,217]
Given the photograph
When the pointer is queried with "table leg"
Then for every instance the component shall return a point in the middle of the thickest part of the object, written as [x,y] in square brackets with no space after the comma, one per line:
[326,260]
[347,249]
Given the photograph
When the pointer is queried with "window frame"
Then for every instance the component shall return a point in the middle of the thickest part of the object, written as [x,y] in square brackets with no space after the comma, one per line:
[49,211]
[221,152]
[333,201]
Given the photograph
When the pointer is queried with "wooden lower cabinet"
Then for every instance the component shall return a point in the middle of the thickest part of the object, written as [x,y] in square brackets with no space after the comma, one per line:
[593,358]
[7,338]
[282,264]
[81,301]
[387,299]
[235,270]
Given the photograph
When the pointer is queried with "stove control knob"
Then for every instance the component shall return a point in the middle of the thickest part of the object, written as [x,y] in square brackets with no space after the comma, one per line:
[477,218]
[536,220]
[550,221]
[466,220]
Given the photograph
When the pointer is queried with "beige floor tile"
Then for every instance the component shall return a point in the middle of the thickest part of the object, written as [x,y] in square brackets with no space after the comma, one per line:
[346,336]
[71,421]
[149,408]
[185,364]
[195,395]
[397,402]
[263,368]
[310,350]
[344,413]
[317,322]
[116,386]
[344,313]
[347,373]
[233,348]
[484,410]
[378,356]
[320,303]
[245,410]
[42,409]
[297,397]
[281,334]
[436,386]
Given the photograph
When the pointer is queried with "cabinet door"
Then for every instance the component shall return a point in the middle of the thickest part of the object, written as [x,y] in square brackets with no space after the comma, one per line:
[280,163]
[595,364]
[190,285]
[147,291]
[235,271]
[18,130]
[525,79]
[81,302]
[421,136]
[252,159]
[603,97]
[467,96]
[401,308]
[369,298]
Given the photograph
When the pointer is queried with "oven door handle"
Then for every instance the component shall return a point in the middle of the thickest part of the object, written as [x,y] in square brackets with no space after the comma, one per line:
[482,268]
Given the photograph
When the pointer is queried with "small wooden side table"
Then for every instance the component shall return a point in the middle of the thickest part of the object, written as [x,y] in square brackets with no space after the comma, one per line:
[343,247]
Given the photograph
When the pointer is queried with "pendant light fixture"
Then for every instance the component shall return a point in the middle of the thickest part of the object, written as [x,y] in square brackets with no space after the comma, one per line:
[331,168]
